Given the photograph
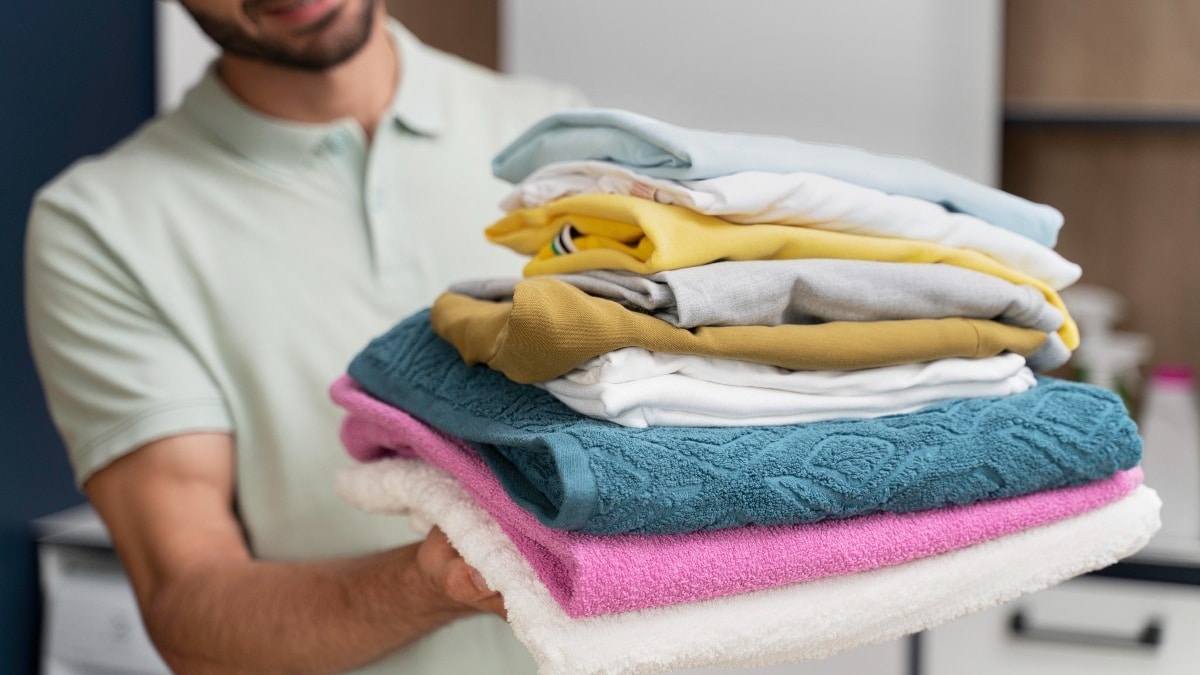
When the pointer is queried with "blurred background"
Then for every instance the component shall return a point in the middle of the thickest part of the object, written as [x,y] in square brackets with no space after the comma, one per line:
[1093,107]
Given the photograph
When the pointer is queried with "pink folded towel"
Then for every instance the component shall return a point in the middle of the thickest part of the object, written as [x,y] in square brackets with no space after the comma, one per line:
[595,574]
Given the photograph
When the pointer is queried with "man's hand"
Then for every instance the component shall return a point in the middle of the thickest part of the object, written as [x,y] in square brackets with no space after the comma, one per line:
[449,574]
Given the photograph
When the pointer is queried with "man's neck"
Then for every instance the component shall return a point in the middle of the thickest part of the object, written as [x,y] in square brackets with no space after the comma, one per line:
[362,87]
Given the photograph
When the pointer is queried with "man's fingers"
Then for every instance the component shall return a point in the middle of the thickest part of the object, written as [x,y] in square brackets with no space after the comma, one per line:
[479,581]
[495,605]
[453,577]
[463,583]
[436,551]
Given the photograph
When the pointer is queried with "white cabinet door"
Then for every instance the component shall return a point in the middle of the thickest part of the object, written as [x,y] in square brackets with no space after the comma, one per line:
[1087,626]
[92,624]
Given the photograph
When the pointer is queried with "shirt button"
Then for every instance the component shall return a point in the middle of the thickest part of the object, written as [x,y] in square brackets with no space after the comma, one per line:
[338,141]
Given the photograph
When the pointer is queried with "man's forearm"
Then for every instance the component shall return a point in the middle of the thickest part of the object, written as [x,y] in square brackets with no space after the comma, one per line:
[210,607]
[284,617]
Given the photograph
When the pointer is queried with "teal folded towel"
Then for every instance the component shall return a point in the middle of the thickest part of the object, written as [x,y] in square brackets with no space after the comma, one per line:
[577,473]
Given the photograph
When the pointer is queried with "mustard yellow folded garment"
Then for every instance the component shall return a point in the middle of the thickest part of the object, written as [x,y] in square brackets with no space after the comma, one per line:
[602,231]
[551,326]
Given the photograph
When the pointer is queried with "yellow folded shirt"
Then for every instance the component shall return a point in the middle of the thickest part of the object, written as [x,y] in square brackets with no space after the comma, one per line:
[642,236]
[550,327]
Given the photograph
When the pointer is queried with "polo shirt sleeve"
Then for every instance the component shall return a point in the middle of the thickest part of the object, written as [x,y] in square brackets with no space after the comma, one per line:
[115,374]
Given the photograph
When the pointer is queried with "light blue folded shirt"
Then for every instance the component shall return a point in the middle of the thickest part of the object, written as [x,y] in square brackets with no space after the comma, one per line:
[663,150]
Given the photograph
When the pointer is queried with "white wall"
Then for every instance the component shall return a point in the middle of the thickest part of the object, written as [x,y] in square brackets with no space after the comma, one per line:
[182,53]
[912,77]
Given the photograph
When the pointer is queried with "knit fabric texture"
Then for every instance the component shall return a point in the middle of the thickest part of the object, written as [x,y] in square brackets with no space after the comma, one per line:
[588,232]
[801,198]
[577,473]
[663,150]
[806,290]
[551,327]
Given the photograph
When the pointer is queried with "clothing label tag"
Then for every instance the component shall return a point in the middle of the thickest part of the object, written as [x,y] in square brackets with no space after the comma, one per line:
[564,243]
[640,189]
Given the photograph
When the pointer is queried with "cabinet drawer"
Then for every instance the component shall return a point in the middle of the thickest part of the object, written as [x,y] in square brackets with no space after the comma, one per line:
[1090,625]
[92,623]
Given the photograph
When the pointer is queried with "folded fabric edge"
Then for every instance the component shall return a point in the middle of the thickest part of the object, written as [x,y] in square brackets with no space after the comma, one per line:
[573,584]
[579,488]
[830,621]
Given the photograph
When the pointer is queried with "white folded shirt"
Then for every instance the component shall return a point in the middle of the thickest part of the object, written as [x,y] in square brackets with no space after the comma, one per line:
[635,387]
[803,199]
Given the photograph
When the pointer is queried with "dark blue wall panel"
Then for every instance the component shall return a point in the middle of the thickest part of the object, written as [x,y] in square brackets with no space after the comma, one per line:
[75,76]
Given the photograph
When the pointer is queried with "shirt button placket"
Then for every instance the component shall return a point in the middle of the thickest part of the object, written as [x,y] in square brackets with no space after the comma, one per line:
[398,266]
[376,204]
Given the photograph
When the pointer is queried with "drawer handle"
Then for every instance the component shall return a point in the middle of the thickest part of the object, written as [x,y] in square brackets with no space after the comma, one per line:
[1149,637]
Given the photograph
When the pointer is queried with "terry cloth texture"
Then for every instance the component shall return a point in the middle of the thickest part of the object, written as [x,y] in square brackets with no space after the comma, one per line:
[589,232]
[551,327]
[791,623]
[663,150]
[804,199]
[577,473]
[604,574]
[808,290]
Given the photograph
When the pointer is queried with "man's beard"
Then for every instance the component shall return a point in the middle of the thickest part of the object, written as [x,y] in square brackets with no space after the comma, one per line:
[322,55]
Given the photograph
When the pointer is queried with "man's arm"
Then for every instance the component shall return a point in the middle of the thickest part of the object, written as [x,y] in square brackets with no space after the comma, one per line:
[209,606]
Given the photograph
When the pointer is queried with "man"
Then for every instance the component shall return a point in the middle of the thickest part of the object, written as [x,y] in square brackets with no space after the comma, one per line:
[192,293]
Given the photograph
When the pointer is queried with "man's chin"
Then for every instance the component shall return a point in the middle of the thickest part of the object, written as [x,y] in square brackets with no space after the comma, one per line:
[327,42]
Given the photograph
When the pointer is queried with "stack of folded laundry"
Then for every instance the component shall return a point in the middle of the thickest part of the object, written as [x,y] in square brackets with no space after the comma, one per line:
[754,401]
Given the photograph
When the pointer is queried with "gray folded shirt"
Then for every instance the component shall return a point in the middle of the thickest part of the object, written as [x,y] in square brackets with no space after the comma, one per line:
[805,291]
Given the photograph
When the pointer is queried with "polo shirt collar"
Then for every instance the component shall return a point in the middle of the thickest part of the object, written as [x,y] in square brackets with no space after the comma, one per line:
[283,144]
[419,101]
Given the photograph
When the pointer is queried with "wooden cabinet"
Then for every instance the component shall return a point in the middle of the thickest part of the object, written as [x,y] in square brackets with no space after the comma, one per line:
[1100,55]
[469,28]
[1102,120]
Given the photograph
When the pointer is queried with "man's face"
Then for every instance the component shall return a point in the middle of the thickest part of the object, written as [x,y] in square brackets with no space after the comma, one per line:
[302,34]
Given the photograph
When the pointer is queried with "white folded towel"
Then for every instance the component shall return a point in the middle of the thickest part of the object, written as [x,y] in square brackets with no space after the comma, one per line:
[790,623]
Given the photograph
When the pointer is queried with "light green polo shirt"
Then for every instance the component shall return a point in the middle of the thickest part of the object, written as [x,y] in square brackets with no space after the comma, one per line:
[219,269]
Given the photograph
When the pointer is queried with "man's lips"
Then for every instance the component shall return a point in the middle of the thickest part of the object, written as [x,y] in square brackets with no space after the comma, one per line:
[291,11]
